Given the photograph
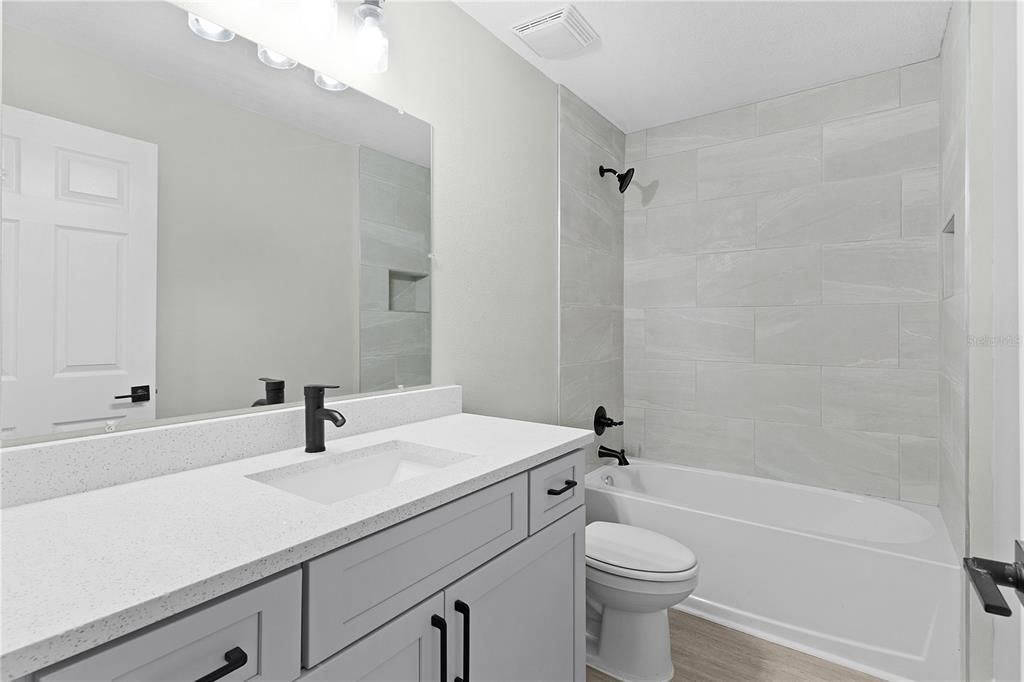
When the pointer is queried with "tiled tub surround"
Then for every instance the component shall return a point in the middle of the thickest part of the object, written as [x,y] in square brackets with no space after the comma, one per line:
[394,283]
[42,471]
[178,541]
[953,307]
[782,288]
[590,267]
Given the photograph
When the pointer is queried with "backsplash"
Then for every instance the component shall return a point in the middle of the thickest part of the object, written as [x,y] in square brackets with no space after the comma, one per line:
[30,473]
[782,287]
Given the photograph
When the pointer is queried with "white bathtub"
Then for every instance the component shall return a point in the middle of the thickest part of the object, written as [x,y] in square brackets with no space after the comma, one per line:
[869,584]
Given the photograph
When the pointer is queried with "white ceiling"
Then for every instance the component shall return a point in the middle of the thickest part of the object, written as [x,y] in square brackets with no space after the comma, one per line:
[153,38]
[658,62]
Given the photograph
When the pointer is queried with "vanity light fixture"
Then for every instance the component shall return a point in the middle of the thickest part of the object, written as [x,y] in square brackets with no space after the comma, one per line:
[274,60]
[324,81]
[204,28]
[371,42]
[319,19]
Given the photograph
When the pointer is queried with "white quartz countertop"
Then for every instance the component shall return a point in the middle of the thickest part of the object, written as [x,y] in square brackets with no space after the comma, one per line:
[82,570]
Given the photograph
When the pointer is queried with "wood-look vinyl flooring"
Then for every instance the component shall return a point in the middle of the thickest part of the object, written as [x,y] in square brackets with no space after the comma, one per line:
[703,651]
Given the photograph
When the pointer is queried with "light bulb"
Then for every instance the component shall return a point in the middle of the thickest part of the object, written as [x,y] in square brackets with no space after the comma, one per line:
[275,60]
[324,81]
[371,42]
[319,18]
[204,28]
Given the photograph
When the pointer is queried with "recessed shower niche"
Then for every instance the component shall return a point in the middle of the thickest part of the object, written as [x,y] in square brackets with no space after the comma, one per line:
[408,292]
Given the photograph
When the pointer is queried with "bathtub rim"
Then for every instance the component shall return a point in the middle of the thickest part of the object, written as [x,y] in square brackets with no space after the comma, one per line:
[937,549]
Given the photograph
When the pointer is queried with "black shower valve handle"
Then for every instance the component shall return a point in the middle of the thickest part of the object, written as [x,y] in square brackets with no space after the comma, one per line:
[602,421]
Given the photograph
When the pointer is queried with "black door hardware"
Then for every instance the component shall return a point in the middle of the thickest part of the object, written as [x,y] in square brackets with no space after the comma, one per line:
[619,455]
[569,485]
[274,389]
[235,658]
[463,608]
[439,623]
[139,394]
[602,421]
[987,575]
[317,414]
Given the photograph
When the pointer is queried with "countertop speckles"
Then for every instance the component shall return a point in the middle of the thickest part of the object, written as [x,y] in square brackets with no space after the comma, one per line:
[84,569]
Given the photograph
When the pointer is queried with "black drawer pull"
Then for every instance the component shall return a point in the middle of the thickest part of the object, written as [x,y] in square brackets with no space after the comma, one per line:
[569,485]
[439,623]
[235,658]
[463,608]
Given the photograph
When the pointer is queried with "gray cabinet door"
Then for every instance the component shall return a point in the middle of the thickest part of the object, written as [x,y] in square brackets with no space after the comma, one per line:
[407,649]
[525,610]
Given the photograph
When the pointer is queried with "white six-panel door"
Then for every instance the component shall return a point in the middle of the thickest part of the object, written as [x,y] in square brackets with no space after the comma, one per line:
[78,259]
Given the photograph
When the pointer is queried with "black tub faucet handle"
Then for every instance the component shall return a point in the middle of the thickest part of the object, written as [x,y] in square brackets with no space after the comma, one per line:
[602,421]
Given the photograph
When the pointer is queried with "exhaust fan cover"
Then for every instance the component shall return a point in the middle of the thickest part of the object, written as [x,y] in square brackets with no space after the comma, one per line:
[557,34]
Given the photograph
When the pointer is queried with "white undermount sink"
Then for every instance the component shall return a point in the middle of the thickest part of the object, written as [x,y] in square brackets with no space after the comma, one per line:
[340,475]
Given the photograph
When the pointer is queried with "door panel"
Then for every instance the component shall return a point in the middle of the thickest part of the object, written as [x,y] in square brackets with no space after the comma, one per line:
[526,610]
[79,281]
[89,300]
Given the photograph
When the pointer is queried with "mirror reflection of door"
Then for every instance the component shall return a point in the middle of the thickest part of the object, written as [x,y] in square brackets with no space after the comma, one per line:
[79,265]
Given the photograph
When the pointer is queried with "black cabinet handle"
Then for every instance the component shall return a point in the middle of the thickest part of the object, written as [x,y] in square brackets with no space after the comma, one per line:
[569,485]
[439,623]
[235,658]
[463,608]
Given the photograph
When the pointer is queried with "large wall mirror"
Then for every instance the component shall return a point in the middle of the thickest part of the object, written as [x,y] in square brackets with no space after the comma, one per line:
[186,217]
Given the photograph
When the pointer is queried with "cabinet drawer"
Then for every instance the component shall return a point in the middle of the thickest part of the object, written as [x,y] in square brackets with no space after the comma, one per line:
[357,588]
[551,496]
[263,621]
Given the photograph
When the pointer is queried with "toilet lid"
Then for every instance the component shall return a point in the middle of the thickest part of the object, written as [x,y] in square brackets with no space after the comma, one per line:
[637,549]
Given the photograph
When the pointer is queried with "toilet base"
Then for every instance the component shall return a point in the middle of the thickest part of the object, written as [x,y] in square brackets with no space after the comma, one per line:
[634,647]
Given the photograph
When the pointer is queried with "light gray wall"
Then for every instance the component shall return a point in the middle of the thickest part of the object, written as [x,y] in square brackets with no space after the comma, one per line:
[495,192]
[394,312]
[953,309]
[256,235]
[590,268]
[782,287]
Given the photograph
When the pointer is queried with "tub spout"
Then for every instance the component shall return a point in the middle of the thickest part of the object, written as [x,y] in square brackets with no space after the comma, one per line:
[619,455]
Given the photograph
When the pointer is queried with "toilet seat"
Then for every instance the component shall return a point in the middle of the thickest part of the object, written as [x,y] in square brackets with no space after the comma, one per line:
[638,553]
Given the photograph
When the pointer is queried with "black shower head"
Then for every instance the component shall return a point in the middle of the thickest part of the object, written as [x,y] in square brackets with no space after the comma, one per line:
[624,178]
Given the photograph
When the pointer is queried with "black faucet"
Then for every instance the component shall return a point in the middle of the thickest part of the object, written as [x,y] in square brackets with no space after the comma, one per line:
[274,389]
[316,415]
[619,455]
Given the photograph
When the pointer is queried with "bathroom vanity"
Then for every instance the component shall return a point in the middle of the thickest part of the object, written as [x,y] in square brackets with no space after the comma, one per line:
[161,519]
[455,552]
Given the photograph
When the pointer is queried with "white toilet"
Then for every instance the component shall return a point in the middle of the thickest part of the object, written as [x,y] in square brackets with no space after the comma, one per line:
[633,576]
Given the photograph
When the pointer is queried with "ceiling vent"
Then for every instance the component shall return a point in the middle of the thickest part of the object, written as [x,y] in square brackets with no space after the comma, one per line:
[557,34]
